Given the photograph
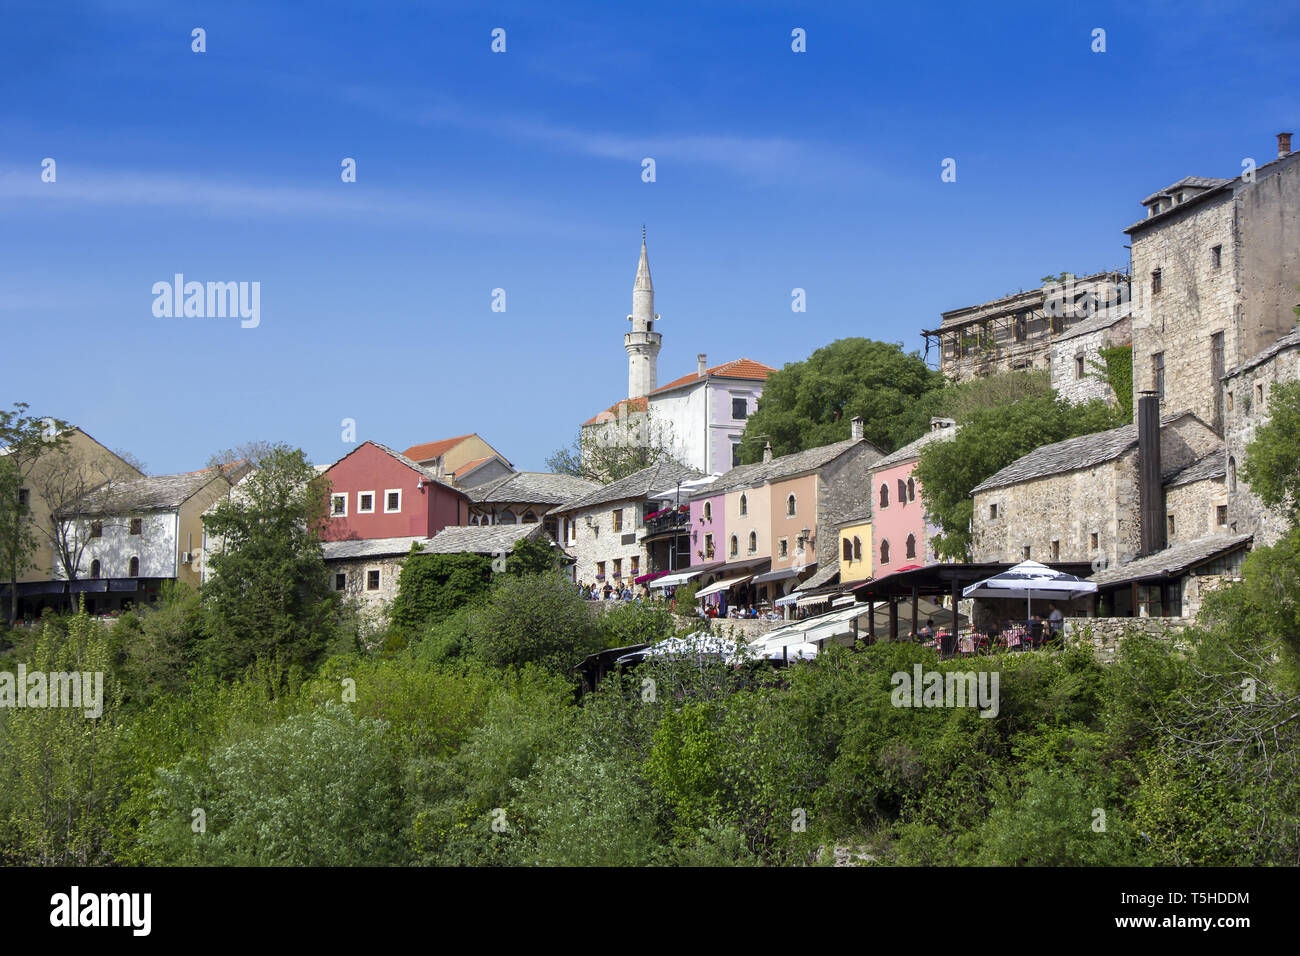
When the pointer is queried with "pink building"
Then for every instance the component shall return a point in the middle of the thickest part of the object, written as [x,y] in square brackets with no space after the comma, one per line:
[901,532]
[708,529]
[376,492]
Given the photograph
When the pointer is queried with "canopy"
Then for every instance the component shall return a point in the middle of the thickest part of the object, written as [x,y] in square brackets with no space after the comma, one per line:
[717,586]
[701,643]
[788,599]
[1029,580]
[779,575]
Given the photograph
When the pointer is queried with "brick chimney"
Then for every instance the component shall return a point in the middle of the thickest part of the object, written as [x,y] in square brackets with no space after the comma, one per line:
[702,362]
[1151,491]
[767,451]
[856,425]
[1283,145]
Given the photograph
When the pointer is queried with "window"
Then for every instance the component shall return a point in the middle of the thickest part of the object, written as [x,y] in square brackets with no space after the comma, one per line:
[1216,257]
[618,567]
[1169,525]
[1056,550]
[739,408]
[1025,553]
[137,525]
[708,511]
[1230,402]
[365,502]
[392,501]
[1078,366]
[848,549]
[636,565]
[133,568]
[24,497]
[708,545]
[902,492]
[529,518]
[993,511]
[735,454]
[744,505]
[783,548]
[911,489]
[372,580]
[1259,395]
[507,517]
[1155,282]
[735,546]
[884,496]
[1092,541]
[618,520]
[94,569]
[600,570]
[1021,328]
[857,548]
[790,507]
[1232,474]
[753,542]
[97,529]
[1158,373]
[911,545]
[338,506]
[884,552]
[1178,197]
[1221,515]
[340,582]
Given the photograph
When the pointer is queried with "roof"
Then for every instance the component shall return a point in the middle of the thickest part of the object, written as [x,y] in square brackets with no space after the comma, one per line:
[1187,182]
[1098,323]
[1290,340]
[1172,560]
[428,473]
[1073,454]
[469,466]
[856,517]
[369,547]
[1010,304]
[636,486]
[1210,187]
[624,406]
[480,539]
[741,368]
[1211,465]
[823,576]
[531,487]
[159,493]
[778,469]
[435,449]
[912,450]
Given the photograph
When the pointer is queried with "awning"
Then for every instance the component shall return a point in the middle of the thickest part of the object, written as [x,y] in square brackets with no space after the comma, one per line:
[717,586]
[814,599]
[822,577]
[788,599]
[677,577]
[844,601]
[781,575]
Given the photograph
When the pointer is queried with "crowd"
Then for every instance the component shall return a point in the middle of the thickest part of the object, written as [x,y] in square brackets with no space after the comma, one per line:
[623,592]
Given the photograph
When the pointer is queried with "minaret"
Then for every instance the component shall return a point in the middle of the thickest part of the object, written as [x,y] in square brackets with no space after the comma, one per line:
[643,342]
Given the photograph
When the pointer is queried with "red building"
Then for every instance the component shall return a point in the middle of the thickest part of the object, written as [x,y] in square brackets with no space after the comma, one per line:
[376,492]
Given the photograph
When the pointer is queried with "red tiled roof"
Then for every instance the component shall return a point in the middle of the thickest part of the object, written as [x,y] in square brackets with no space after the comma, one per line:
[434,449]
[639,404]
[470,465]
[740,368]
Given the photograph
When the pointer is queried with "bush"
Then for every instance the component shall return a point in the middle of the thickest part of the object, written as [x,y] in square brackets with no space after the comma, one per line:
[535,619]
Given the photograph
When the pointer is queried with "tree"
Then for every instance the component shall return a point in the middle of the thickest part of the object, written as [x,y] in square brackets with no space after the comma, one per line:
[254,452]
[810,403]
[432,586]
[616,448]
[1272,465]
[533,556]
[988,440]
[535,618]
[269,595]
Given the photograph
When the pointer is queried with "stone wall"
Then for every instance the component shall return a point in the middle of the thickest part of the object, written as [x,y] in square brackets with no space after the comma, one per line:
[1064,356]
[843,487]
[1194,509]
[373,604]
[1103,634]
[600,542]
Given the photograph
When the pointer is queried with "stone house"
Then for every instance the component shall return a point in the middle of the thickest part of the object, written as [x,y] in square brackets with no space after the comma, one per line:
[1078,500]
[1075,356]
[1216,263]
[525,497]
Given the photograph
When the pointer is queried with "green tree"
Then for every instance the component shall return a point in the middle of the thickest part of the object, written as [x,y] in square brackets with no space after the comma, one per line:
[811,403]
[433,586]
[533,556]
[535,618]
[269,596]
[1272,465]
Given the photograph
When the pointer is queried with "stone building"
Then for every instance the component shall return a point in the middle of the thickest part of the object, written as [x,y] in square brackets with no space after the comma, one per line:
[1078,500]
[1247,389]
[1076,360]
[1017,331]
[525,497]
[1215,267]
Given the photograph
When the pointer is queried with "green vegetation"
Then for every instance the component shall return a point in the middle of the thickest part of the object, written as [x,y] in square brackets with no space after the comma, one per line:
[1116,369]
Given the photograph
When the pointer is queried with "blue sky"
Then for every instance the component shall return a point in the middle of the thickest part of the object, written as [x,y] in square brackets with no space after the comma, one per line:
[522,171]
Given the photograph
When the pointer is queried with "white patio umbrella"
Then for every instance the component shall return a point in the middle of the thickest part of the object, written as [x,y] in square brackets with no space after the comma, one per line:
[1029,580]
[699,644]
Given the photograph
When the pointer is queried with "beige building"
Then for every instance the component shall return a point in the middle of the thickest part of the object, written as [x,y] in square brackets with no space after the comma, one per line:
[466,460]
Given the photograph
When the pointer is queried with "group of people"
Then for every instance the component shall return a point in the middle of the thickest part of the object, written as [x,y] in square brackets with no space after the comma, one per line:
[1039,630]
[594,592]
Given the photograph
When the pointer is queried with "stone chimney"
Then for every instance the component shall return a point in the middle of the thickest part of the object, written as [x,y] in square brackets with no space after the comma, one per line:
[767,451]
[439,470]
[937,424]
[856,425]
[702,361]
[1151,491]
[1283,145]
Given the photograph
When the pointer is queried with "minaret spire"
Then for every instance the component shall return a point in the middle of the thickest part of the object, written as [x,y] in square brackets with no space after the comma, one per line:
[642,343]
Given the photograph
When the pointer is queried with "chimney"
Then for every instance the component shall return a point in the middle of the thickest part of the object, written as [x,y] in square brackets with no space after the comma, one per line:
[1151,493]
[939,423]
[438,469]
[701,364]
[856,426]
[767,451]
[1283,145]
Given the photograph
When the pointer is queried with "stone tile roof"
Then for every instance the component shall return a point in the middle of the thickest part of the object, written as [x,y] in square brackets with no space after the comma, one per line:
[1073,454]
[1172,560]
[157,493]
[1288,341]
[435,449]
[532,487]
[822,577]
[1098,323]
[635,487]
[912,450]
[480,539]
[1211,465]
[1212,187]
[779,469]
[1190,182]
[856,517]
[741,368]
[370,547]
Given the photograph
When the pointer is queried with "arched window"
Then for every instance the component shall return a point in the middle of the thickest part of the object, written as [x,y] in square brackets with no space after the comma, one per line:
[857,548]
[884,552]
[473,519]
[911,545]
[911,489]
[735,545]
[902,491]
[507,517]
[753,542]
[708,511]
[790,507]
[529,518]
[94,569]
[884,495]
[744,505]
[848,550]
[1232,474]
[133,568]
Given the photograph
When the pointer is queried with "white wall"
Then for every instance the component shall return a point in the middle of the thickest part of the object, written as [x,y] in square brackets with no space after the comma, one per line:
[155,546]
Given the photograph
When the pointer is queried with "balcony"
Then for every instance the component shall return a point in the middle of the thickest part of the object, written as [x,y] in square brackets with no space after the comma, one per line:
[668,521]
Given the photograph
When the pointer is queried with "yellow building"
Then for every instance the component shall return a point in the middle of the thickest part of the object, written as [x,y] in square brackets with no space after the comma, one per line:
[855,547]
